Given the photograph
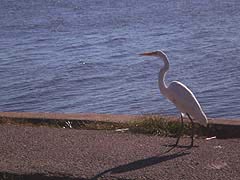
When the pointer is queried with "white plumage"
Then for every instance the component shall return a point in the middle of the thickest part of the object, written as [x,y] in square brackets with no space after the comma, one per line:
[186,102]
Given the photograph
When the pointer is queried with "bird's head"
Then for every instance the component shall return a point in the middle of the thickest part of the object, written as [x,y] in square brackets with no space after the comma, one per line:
[158,53]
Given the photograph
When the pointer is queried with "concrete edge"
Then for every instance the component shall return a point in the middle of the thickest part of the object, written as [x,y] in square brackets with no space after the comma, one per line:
[121,118]
[222,128]
[70,116]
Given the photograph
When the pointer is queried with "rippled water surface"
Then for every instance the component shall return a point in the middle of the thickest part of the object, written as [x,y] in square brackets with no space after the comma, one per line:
[81,56]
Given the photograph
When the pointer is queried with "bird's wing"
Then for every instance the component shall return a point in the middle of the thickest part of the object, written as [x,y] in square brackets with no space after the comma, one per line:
[183,98]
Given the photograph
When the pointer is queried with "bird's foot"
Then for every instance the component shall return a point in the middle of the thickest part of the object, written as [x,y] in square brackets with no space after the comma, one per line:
[180,146]
[171,145]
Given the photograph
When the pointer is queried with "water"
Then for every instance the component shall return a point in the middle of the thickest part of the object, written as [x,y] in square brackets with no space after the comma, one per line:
[81,56]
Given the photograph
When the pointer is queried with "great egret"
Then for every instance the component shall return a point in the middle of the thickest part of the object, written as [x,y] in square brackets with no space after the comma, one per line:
[179,95]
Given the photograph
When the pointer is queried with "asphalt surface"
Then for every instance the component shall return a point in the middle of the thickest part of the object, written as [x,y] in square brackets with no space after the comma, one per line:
[50,153]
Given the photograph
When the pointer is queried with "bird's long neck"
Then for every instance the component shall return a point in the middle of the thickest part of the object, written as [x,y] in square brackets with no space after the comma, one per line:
[162,74]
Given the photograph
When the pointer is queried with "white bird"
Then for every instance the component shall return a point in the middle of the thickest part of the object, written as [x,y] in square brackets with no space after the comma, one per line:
[179,95]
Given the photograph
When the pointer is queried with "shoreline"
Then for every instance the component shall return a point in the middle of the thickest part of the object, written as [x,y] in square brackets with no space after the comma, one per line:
[122,118]
[221,128]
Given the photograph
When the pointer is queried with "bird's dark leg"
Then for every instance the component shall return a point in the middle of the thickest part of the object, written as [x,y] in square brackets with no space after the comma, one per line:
[180,131]
[179,135]
[192,135]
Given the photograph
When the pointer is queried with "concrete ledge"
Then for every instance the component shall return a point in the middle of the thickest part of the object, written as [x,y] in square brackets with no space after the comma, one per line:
[101,117]
[222,128]
[61,116]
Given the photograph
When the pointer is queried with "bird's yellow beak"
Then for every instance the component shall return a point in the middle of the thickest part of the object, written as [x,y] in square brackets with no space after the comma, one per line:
[148,54]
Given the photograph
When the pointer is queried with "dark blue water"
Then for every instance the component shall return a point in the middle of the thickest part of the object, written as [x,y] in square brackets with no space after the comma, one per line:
[81,56]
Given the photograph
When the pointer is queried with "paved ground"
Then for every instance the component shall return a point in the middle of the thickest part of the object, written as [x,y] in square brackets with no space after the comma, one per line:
[42,153]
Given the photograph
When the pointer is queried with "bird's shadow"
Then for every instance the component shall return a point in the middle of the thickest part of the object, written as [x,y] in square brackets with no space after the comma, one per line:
[142,163]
